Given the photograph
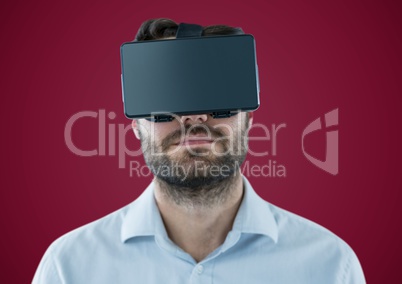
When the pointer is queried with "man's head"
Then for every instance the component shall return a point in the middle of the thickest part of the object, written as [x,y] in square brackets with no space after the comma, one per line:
[192,153]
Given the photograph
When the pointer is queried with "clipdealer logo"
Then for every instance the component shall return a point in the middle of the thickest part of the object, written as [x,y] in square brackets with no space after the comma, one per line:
[331,162]
[109,140]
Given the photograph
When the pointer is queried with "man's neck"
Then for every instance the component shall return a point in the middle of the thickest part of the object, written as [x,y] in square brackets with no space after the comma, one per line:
[200,227]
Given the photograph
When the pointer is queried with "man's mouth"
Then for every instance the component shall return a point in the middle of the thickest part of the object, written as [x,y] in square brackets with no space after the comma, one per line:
[195,140]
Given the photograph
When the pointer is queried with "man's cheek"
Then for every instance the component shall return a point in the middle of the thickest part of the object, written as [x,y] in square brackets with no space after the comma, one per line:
[222,146]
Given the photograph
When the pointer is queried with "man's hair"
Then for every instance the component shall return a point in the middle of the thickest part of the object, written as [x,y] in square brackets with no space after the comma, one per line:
[162,28]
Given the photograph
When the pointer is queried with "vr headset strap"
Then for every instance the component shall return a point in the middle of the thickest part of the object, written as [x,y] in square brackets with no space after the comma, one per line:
[188,30]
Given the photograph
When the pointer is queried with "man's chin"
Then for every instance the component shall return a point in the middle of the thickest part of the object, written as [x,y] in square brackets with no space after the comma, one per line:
[195,180]
[191,162]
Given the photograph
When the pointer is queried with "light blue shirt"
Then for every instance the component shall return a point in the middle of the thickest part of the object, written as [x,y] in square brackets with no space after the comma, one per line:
[266,245]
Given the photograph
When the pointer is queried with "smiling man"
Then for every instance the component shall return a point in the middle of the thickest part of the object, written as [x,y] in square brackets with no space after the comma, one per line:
[199,221]
[198,201]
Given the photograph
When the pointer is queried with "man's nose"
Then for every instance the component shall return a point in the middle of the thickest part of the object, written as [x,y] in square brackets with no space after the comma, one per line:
[196,118]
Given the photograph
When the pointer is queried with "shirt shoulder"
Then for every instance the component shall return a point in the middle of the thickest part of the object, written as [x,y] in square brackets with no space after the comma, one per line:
[312,243]
[297,229]
[80,246]
[104,229]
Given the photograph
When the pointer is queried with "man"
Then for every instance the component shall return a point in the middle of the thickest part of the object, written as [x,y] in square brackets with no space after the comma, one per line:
[200,220]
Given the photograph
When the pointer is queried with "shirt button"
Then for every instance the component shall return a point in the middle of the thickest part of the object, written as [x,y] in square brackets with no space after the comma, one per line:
[200,269]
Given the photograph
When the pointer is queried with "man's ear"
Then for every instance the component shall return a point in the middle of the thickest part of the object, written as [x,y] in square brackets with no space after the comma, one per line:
[250,118]
[134,125]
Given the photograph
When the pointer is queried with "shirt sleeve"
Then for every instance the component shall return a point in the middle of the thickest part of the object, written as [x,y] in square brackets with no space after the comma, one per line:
[46,273]
[353,271]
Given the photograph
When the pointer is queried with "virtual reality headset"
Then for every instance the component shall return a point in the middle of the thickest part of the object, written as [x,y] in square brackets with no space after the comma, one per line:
[190,74]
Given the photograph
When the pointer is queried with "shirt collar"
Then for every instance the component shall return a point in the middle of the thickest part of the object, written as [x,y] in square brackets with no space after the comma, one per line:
[143,217]
[253,217]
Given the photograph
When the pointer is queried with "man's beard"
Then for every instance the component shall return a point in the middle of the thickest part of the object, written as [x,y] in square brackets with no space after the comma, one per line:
[198,178]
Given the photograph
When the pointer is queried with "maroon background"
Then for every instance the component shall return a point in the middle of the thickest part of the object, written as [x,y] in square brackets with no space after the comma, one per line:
[61,58]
